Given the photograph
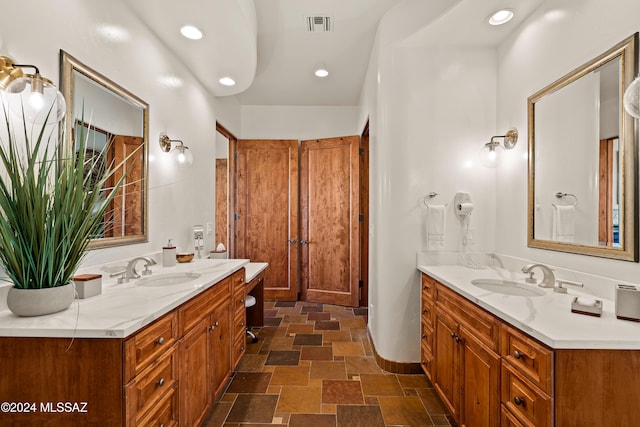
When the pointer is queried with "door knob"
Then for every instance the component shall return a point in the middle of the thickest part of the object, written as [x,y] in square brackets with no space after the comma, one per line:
[304,242]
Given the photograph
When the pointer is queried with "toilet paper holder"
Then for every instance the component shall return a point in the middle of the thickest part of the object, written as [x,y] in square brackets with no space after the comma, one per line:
[462,205]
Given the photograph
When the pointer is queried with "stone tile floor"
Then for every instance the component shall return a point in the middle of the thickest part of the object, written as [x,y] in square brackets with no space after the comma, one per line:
[313,366]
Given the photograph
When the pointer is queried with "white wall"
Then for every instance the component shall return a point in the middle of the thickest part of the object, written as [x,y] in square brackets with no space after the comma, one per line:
[133,58]
[430,112]
[556,39]
[297,122]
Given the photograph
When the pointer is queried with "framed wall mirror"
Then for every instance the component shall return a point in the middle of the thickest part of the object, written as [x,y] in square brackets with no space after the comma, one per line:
[115,124]
[583,166]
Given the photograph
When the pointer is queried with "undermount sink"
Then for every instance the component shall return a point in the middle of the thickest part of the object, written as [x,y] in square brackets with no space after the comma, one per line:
[167,279]
[508,287]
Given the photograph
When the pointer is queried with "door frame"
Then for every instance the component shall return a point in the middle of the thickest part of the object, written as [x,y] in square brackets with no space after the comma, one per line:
[231,196]
[364,216]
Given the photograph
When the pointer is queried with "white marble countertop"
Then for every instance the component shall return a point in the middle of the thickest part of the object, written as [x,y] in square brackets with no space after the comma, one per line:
[121,309]
[253,269]
[547,318]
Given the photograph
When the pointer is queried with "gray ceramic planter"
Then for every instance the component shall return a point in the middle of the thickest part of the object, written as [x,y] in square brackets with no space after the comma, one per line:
[38,302]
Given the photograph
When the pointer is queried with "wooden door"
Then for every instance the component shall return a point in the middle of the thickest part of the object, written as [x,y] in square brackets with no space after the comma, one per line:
[446,360]
[480,384]
[329,239]
[126,213]
[364,217]
[222,203]
[195,389]
[220,348]
[267,212]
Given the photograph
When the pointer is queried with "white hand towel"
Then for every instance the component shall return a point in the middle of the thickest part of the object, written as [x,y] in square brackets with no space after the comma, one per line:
[435,226]
[564,223]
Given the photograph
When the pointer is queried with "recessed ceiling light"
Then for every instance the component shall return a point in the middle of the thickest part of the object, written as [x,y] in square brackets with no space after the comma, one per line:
[321,72]
[227,81]
[501,16]
[191,32]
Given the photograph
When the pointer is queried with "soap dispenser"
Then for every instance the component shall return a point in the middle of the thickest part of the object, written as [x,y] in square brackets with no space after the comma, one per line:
[169,255]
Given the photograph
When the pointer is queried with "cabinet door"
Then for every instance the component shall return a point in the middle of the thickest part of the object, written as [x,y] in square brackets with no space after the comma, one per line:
[446,361]
[194,384]
[480,383]
[220,348]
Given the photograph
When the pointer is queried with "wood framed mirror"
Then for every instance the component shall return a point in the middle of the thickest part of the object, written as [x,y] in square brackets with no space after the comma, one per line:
[583,160]
[115,123]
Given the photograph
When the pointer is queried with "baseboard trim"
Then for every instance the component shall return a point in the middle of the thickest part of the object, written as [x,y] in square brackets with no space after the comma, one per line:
[394,367]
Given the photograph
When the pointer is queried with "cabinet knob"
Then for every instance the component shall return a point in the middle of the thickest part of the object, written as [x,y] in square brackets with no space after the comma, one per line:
[425,287]
[160,341]
[241,279]
[160,382]
[241,301]
[425,311]
[241,324]
[242,348]
[458,339]
[517,354]
[425,336]
[215,325]
[518,401]
[453,335]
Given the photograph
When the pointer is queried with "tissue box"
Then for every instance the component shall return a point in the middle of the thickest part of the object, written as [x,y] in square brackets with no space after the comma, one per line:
[218,254]
[628,303]
[88,285]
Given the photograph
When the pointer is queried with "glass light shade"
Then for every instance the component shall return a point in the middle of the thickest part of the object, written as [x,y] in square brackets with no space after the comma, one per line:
[491,154]
[182,156]
[632,98]
[36,96]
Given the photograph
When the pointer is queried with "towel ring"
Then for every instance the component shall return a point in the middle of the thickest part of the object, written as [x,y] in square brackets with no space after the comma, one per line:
[560,195]
[430,196]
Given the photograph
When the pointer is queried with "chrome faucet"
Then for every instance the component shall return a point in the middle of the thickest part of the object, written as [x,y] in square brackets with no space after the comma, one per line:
[548,280]
[131,272]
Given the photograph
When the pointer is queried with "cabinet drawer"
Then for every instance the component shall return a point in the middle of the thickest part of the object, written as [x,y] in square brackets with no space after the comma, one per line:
[239,347]
[150,385]
[191,312]
[525,400]
[528,357]
[426,361]
[426,337]
[165,413]
[428,286]
[509,420]
[482,324]
[239,324]
[428,312]
[148,344]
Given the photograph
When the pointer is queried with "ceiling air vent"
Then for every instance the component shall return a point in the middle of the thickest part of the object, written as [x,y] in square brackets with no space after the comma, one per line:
[319,24]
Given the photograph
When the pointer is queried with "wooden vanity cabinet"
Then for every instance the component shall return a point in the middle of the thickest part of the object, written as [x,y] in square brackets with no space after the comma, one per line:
[427,324]
[488,373]
[239,314]
[166,374]
[205,350]
[466,369]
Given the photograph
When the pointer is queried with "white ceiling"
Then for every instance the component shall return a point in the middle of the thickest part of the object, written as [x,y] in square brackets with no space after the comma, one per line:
[279,69]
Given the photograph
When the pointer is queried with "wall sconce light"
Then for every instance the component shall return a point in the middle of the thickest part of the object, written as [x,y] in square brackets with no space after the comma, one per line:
[180,153]
[30,93]
[632,98]
[492,151]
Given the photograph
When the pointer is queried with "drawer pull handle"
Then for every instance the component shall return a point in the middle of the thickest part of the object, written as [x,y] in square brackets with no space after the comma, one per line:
[160,382]
[160,341]
[518,401]
[518,355]
[425,336]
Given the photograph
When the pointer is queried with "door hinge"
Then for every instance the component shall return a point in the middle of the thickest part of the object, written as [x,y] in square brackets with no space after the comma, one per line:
[362,151]
[235,154]
[360,284]
[361,217]
[235,216]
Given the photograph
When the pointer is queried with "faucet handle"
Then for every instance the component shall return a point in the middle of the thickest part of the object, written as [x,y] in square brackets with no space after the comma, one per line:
[559,289]
[531,279]
[123,276]
[146,271]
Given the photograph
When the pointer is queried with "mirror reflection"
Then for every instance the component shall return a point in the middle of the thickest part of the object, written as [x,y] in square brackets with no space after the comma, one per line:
[114,124]
[582,162]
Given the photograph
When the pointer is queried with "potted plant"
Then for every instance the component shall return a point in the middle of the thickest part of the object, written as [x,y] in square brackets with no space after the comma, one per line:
[52,201]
